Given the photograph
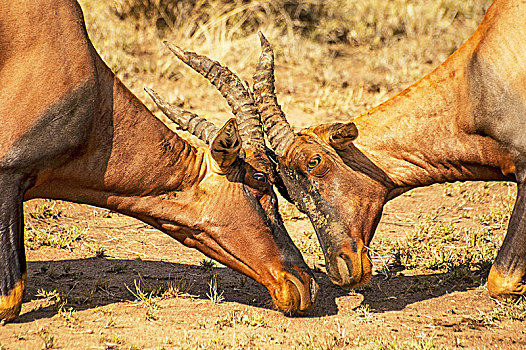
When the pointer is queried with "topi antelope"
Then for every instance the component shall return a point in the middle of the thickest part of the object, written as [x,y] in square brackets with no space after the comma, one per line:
[72,131]
[466,120]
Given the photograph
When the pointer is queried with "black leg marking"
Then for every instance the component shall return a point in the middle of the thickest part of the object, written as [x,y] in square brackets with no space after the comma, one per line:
[509,269]
[12,253]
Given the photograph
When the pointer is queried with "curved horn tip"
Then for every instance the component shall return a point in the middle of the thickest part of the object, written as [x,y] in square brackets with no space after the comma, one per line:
[148,90]
[155,97]
[262,39]
[176,50]
[151,93]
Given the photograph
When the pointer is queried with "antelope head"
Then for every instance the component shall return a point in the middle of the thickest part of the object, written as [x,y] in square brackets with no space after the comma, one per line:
[320,180]
[239,153]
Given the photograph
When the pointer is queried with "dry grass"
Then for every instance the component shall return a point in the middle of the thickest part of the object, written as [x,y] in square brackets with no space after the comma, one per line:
[63,237]
[320,47]
[442,246]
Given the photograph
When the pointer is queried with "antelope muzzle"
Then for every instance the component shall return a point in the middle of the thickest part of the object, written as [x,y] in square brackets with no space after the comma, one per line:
[349,264]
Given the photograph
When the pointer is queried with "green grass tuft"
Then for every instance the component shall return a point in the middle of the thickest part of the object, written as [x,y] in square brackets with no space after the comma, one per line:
[63,237]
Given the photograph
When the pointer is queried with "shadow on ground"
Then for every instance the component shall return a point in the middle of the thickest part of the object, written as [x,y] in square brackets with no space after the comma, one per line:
[396,293]
[88,283]
[92,282]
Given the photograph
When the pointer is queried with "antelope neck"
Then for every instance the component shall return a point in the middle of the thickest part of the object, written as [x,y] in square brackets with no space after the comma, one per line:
[129,159]
[427,134]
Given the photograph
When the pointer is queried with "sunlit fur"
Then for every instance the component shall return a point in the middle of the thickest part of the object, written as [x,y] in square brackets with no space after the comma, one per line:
[71,130]
[463,121]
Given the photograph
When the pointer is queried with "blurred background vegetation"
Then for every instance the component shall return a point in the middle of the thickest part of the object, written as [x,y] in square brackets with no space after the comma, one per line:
[334,58]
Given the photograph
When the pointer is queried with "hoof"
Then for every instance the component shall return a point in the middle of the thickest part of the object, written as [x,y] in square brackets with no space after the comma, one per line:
[503,286]
[11,303]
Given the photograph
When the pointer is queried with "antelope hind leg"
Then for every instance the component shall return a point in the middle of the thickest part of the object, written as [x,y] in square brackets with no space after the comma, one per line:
[13,273]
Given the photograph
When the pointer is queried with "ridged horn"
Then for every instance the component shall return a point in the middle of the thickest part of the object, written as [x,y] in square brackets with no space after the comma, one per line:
[186,120]
[275,125]
[233,90]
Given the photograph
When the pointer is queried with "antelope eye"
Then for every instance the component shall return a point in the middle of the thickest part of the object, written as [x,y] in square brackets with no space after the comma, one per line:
[314,162]
[259,176]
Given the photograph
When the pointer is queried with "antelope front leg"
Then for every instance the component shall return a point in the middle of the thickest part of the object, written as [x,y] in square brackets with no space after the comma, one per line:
[13,273]
[506,277]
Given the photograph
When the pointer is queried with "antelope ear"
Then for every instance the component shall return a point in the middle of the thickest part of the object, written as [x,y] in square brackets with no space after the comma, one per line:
[340,135]
[226,145]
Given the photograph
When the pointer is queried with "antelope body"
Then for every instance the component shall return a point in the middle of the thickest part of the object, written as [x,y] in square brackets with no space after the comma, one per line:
[71,130]
[466,120]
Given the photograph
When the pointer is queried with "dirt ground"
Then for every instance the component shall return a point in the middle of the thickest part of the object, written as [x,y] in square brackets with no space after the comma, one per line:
[88,295]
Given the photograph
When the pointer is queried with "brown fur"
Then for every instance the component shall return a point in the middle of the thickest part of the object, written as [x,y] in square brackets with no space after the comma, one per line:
[463,121]
[119,156]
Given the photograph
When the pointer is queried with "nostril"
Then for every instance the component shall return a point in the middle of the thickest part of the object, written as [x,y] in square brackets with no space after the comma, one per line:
[314,288]
[348,263]
[302,293]
[344,266]
[295,296]
[347,269]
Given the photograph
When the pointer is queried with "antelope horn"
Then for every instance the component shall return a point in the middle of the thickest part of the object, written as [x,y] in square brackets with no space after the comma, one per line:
[275,125]
[233,90]
[186,120]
